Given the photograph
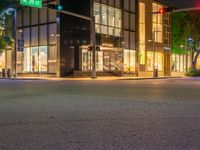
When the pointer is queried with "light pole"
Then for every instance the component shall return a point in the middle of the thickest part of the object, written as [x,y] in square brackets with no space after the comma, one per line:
[93,44]
[15,43]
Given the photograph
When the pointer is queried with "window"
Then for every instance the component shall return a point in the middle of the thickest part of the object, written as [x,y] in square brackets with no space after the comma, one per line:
[26,36]
[52,33]
[129,60]
[34,16]
[97,13]
[158,61]
[43,35]
[34,36]
[107,19]
[157,23]
[27,60]
[132,5]
[104,14]
[26,15]
[52,59]
[142,36]
[35,59]
[43,59]
[43,15]
[2,61]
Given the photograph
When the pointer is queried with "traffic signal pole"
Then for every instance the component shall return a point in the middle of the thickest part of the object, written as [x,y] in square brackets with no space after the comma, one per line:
[172,10]
[93,43]
[15,44]
[186,9]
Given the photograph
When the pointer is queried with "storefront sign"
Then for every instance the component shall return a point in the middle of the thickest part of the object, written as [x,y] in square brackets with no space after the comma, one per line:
[32,3]
[107,45]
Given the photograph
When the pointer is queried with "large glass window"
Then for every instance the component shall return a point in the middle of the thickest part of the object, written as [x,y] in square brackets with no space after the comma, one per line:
[107,19]
[104,15]
[43,59]
[34,16]
[26,37]
[129,60]
[35,59]
[34,36]
[26,15]
[142,35]
[2,61]
[52,33]
[43,35]
[157,20]
[27,60]
[158,61]
[52,59]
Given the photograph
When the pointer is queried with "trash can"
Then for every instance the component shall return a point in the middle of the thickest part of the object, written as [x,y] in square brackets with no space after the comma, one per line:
[3,73]
[155,73]
[9,73]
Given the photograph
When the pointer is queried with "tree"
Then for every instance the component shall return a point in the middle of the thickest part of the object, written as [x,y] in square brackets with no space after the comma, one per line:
[6,23]
[186,25]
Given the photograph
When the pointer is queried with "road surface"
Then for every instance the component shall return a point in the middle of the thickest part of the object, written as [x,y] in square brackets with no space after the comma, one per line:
[100,115]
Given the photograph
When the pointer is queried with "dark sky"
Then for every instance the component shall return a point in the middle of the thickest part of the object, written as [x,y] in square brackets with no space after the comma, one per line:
[182,3]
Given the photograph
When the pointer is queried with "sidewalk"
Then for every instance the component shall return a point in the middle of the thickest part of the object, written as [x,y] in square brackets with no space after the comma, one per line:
[90,79]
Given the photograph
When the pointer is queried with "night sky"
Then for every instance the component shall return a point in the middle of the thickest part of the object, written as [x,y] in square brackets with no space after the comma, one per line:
[182,3]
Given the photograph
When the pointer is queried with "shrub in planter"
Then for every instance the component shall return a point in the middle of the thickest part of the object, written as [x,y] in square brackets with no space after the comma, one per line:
[193,72]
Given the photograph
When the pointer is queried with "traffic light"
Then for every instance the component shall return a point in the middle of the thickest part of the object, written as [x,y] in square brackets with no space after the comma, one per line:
[165,10]
[56,7]
[98,48]
[90,48]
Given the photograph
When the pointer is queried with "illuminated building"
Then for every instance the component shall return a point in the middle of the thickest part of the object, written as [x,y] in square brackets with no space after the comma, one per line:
[57,44]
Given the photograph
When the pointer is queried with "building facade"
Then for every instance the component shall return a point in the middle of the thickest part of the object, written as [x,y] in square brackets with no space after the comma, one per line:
[131,40]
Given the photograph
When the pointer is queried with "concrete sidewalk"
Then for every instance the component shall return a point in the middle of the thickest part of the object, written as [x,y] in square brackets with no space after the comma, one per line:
[98,78]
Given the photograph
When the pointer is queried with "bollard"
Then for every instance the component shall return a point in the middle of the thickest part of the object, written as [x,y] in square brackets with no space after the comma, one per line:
[9,73]
[3,73]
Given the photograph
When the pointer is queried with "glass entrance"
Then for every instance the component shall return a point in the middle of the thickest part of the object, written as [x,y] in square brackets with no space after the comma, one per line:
[105,60]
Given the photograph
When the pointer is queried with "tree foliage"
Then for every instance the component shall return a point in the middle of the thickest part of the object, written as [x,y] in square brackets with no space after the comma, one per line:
[7,23]
[186,25]
[8,3]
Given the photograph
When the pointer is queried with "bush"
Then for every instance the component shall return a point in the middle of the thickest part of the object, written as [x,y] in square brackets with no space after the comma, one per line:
[193,72]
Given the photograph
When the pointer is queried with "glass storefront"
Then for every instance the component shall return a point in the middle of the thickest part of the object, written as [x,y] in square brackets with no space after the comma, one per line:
[35,59]
[2,61]
[158,61]
[129,61]
[105,60]
[180,61]
[142,35]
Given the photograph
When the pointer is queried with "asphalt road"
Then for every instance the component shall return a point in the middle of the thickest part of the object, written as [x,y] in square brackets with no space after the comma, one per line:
[100,115]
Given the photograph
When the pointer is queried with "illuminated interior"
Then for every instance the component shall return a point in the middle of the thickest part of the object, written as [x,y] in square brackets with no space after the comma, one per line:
[2,61]
[106,59]
[35,59]
[157,23]
[108,19]
[142,36]
[158,61]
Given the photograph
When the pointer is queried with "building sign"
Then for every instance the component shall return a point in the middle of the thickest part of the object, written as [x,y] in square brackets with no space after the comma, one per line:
[32,3]
[166,48]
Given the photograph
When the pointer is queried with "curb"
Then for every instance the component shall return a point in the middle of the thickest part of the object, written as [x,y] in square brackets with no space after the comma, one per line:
[153,78]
